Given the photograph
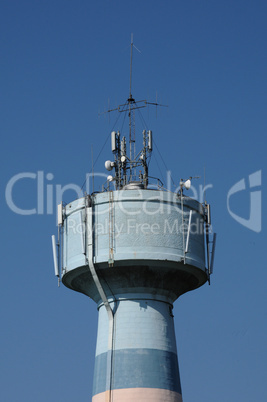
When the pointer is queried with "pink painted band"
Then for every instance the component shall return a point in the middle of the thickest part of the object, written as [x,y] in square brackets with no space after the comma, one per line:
[138,394]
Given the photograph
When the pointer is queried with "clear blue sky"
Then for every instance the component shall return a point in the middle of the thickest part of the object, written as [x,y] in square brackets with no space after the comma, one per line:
[61,63]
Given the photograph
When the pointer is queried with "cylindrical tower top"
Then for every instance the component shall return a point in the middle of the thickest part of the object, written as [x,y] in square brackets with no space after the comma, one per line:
[143,240]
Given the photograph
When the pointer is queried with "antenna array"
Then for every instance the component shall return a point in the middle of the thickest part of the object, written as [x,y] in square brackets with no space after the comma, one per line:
[125,166]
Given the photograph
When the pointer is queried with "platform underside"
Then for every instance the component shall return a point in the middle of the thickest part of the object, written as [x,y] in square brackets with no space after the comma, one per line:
[170,280]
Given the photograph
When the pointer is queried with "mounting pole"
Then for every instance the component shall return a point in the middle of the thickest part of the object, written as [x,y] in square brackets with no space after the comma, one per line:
[130,94]
[130,101]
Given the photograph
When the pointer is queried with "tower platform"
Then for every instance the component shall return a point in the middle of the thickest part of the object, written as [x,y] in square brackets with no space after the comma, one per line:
[141,241]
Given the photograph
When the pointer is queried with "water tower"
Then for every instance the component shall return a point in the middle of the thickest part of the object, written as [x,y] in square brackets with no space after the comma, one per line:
[134,248]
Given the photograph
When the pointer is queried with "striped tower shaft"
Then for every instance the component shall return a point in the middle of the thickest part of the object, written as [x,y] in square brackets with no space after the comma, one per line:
[141,365]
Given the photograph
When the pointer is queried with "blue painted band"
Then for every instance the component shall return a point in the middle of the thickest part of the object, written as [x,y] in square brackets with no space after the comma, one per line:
[138,368]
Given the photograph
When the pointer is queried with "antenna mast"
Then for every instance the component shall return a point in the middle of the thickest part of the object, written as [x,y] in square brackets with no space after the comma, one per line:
[131,65]
[126,166]
[131,115]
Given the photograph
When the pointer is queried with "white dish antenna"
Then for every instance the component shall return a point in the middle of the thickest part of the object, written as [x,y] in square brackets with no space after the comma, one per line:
[109,165]
[187,184]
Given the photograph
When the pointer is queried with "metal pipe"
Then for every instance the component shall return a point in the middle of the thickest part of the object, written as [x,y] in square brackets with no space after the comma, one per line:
[102,295]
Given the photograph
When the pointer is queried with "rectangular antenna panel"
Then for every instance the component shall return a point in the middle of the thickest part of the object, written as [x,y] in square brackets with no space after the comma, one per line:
[123,146]
[213,252]
[55,255]
[59,214]
[188,231]
[208,214]
[149,133]
[113,141]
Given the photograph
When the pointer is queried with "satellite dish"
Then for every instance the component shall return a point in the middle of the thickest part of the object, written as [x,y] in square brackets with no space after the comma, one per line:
[110,178]
[187,184]
[109,165]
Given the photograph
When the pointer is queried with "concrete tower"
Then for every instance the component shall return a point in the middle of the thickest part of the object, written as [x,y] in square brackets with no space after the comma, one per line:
[134,249]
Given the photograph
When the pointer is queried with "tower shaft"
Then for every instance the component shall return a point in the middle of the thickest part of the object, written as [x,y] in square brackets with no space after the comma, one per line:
[141,364]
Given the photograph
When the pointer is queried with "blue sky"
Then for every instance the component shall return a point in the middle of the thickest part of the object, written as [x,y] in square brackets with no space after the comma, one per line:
[61,63]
